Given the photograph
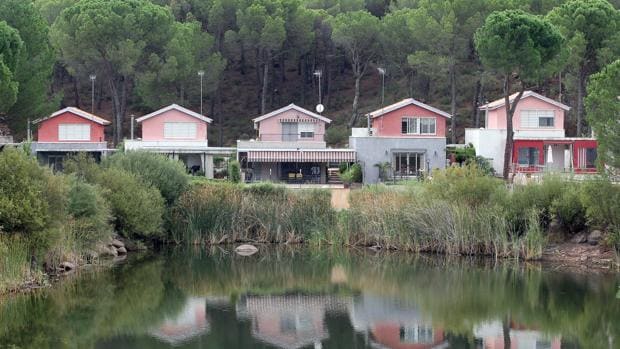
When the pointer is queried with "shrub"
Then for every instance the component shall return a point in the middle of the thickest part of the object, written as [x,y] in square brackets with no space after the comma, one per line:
[165,174]
[601,200]
[90,214]
[337,135]
[14,262]
[569,211]
[137,207]
[83,166]
[22,207]
[234,171]
[353,174]
[466,184]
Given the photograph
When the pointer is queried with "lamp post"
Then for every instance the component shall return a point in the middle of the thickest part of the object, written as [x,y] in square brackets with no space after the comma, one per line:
[201,73]
[92,77]
[382,73]
[318,73]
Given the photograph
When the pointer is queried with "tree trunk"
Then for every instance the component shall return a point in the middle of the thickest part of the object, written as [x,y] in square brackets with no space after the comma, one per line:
[580,95]
[263,102]
[116,105]
[355,100]
[453,103]
[76,94]
[475,117]
[510,109]
[506,333]
[410,81]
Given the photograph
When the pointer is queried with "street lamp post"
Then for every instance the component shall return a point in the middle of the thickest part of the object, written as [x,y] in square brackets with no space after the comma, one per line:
[92,77]
[319,73]
[201,73]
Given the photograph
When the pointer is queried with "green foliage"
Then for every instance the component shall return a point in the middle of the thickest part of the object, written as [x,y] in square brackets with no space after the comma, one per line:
[137,207]
[234,171]
[603,109]
[165,174]
[211,212]
[14,262]
[601,199]
[514,42]
[22,207]
[569,211]
[467,184]
[91,214]
[337,135]
[10,48]
[353,174]
[35,63]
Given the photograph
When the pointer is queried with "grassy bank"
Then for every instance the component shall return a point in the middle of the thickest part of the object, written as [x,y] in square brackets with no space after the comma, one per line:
[459,211]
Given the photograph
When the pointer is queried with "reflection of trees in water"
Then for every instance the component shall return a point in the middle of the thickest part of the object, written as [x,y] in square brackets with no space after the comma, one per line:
[123,304]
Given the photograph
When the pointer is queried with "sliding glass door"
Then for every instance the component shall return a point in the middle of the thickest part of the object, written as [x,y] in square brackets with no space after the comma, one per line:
[407,164]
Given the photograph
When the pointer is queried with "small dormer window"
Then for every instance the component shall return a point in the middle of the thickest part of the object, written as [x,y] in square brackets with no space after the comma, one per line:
[306,131]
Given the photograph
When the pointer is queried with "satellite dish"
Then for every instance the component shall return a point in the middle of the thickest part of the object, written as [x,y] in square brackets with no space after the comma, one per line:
[320,108]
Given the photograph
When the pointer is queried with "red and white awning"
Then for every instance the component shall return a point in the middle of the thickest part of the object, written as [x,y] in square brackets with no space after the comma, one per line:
[310,155]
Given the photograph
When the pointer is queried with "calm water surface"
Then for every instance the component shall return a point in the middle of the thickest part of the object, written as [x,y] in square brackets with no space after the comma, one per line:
[294,298]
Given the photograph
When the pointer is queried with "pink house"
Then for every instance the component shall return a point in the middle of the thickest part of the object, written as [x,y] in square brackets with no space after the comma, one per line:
[290,147]
[66,131]
[408,135]
[182,135]
[540,142]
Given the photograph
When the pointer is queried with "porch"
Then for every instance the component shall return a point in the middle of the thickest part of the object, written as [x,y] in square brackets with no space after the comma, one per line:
[299,166]
[567,155]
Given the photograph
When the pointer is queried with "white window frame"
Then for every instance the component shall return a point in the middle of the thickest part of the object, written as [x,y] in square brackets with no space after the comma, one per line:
[173,130]
[417,129]
[74,132]
[305,128]
[530,118]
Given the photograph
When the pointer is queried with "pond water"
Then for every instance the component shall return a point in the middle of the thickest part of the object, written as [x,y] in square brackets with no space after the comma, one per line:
[295,298]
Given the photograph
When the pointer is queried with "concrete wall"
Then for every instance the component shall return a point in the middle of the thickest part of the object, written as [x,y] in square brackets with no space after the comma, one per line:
[374,150]
[489,144]
[48,129]
[153,128]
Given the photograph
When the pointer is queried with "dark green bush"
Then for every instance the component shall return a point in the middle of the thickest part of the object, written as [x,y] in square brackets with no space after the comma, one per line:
[601,200]
[234,171]
[138,207]
[353,174]
[569,211]
[90,214]
[165,174]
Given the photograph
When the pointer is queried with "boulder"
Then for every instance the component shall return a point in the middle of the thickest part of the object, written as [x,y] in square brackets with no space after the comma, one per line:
[108,251]
[67,266]
[246,250]
[579,238]
[121,250]
[117,243]
[134,246]
[555,227]
[595,237]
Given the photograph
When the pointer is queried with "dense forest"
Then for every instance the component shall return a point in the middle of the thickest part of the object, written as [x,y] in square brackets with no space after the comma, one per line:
[133,56]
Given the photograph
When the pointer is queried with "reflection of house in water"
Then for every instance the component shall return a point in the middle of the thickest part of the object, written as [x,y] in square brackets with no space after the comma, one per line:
[189,323]
[291,321]
[391,324]
[491,336]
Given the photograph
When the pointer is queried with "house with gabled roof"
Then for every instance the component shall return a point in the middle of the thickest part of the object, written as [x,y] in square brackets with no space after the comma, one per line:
[408,136]
[66,131]
[181,134]
[540,142]
[290,147]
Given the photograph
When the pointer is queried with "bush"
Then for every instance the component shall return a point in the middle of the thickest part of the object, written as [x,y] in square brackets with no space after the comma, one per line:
[569,211]
[90,214]
[165,174]
[137,207]
[22,207]
[234,171]
[466,184]
[83,166]
[601,200]
[353,174]
[337,135]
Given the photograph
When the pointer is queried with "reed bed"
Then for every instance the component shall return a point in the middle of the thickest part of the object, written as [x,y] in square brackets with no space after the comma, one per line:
[14,263]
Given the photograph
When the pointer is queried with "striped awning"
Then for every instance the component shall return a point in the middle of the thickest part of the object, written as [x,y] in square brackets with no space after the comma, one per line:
[309,155]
